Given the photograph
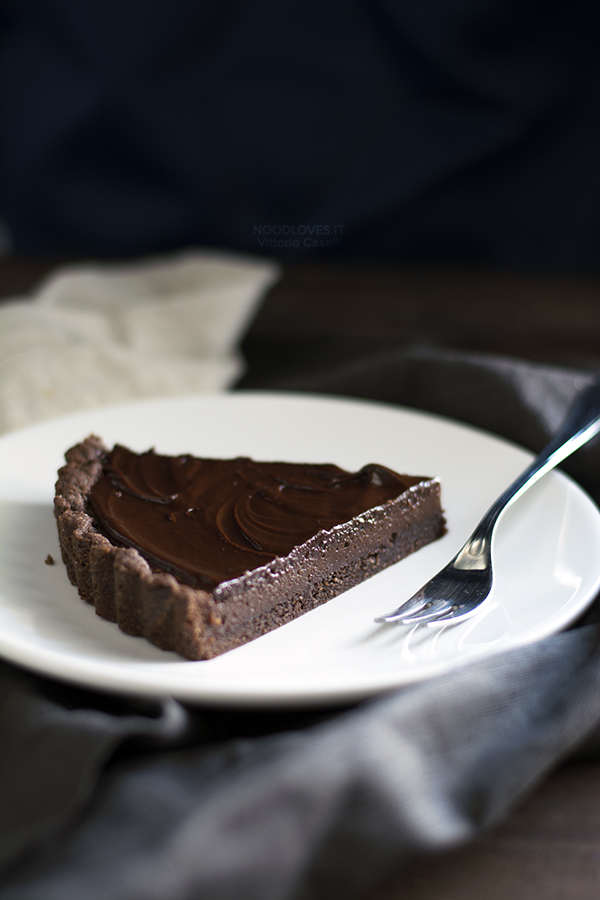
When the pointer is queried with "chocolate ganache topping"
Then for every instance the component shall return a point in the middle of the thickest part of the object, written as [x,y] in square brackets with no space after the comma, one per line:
[207,521]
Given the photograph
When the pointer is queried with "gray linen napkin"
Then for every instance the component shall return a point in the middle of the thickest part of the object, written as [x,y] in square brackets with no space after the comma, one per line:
[107,799]
[96,335]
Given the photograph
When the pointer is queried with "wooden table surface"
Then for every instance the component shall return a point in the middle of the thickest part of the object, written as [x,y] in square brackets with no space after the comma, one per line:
[548,848]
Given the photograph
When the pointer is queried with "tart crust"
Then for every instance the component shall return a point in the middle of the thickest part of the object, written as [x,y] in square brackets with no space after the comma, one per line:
[200,624]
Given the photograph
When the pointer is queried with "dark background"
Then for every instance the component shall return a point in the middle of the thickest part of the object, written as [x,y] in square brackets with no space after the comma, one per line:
[447,132]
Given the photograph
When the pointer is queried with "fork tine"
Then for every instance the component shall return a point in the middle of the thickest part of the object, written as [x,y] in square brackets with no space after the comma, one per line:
[434,611]
[415,605]
[455,616]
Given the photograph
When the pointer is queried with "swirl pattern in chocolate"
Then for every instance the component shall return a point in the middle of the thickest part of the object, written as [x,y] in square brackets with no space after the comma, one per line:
[207,521]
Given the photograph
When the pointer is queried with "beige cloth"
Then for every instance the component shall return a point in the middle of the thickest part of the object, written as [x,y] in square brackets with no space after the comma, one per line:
[97,335]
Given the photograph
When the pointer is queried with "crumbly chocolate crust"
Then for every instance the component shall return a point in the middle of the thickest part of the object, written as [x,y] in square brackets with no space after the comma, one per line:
[200,624]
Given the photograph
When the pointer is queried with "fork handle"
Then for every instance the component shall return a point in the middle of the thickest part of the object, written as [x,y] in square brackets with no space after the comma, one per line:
[581,424]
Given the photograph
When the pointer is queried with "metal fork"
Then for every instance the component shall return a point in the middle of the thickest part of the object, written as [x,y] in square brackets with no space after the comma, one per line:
[459,589]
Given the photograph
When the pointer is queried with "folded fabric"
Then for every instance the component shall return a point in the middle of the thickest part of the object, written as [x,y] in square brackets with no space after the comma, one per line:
[96,335]
[102,797]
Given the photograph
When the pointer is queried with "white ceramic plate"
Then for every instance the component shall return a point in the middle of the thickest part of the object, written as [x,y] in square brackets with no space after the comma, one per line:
[547,553]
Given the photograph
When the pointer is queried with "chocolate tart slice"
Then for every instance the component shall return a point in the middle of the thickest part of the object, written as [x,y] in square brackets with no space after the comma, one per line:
[202,555]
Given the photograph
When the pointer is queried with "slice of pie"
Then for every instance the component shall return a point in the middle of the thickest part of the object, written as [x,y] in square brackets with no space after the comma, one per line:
[202,555]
